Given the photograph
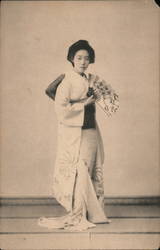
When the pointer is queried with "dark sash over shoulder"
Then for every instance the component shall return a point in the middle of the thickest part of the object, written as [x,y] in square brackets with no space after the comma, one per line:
[52,88]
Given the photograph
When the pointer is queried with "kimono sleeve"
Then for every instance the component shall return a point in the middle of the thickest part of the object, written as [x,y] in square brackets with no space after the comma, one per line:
[70,114]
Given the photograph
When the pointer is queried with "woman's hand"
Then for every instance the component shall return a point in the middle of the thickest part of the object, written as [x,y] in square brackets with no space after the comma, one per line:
[89,100]
[97,95]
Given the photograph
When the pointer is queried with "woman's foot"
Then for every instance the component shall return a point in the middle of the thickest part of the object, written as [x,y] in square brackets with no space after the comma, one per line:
[81,226]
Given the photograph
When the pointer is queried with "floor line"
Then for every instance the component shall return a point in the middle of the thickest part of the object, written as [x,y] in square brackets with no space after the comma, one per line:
[111,217]
[71,232]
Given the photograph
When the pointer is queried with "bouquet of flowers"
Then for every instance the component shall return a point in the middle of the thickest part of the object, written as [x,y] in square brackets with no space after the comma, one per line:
[105,96]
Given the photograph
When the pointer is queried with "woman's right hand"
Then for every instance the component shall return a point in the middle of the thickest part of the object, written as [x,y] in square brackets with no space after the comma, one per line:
[89,100]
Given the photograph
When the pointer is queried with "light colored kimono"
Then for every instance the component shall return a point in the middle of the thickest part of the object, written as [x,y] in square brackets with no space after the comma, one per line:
[70,121]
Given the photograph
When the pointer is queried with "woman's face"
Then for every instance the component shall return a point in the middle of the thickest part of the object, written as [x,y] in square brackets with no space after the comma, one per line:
[81,61]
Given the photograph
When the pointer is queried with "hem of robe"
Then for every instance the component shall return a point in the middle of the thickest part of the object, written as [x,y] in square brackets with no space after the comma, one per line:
[79,220]
[83,222]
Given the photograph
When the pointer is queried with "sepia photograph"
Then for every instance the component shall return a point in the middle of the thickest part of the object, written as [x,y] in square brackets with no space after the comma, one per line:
[79,134]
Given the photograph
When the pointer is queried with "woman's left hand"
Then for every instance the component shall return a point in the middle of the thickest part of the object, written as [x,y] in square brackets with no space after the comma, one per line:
[94,92]
[97,95]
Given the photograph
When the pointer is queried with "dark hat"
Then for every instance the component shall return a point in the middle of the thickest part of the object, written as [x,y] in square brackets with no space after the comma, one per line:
[81,44]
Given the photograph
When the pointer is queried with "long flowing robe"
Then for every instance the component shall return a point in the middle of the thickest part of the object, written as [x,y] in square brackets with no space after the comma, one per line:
[70,114]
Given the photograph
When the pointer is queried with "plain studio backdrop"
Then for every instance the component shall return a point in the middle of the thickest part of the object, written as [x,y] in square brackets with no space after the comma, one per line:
[35,37]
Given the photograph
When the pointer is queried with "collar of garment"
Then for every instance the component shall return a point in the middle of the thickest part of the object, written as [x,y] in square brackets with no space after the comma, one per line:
[74,75]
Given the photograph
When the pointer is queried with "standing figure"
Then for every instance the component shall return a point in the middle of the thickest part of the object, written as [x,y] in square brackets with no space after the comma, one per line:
[78,173]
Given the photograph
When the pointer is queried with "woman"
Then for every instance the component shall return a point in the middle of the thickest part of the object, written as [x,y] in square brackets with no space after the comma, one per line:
[78,177]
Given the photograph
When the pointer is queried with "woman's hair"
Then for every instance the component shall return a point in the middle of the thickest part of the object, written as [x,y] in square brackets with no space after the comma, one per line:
[81,45]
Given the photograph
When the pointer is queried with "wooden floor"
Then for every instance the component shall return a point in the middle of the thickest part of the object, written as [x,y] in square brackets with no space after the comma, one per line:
[132,227]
